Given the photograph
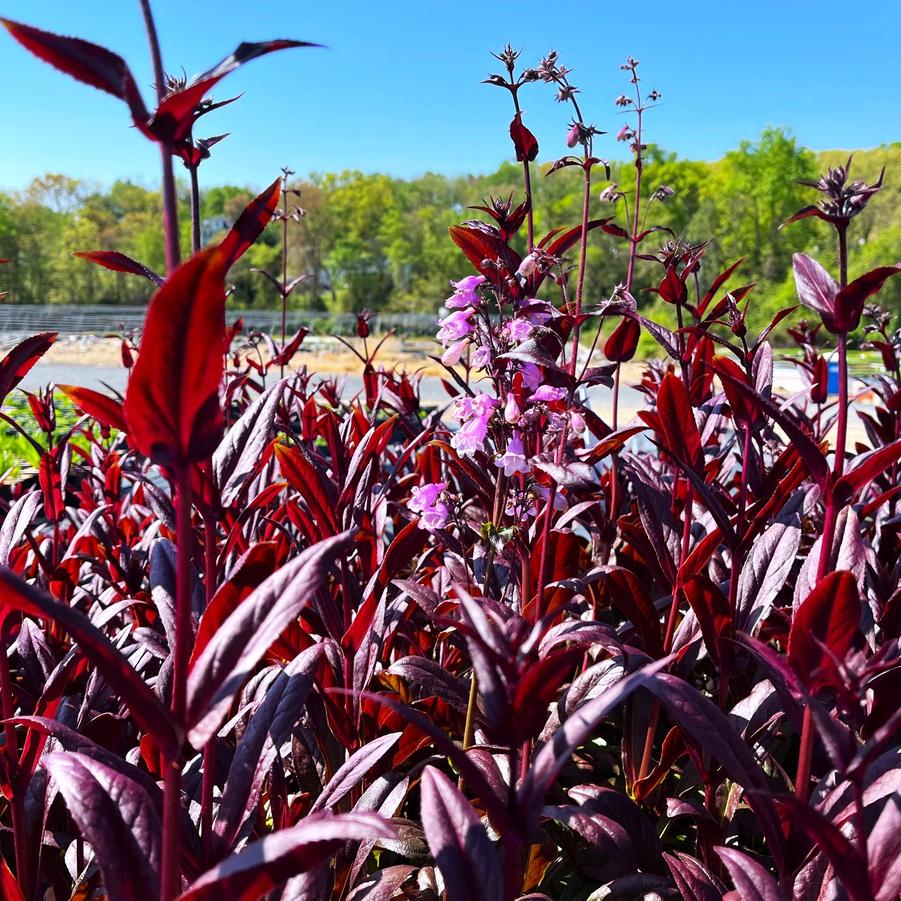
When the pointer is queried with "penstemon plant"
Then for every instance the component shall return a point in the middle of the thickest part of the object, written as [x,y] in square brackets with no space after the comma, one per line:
[264,639]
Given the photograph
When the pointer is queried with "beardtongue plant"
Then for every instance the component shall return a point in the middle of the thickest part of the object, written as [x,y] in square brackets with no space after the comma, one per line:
[263,639]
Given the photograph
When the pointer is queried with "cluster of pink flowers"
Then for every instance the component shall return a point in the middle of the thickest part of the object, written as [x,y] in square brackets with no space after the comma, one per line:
[523,402]
[430,503]
[474,414]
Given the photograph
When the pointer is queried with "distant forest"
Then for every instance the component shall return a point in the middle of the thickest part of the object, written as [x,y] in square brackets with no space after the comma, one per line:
[377,242]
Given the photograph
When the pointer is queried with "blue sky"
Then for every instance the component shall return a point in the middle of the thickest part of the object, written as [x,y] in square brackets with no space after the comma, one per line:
[398,89]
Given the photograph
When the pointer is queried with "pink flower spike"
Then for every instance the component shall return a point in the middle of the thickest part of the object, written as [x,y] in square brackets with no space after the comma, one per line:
[452,355]
[513,460]
[427,502]
[547,394]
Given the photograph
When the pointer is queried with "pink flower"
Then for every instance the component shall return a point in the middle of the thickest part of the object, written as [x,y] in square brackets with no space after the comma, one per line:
[513,459]
[481,357]
[511,409]
[547,394]
[455,326]
[428,503]
[452,355]
[517,330]
[531,375]
[475,415]
[465,293]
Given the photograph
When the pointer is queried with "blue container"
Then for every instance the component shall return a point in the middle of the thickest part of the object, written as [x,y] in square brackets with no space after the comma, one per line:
[832,381]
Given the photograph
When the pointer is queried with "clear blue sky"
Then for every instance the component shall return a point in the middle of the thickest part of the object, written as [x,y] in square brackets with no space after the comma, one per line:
[398,89]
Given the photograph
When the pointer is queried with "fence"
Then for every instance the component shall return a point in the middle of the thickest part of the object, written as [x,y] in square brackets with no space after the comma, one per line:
[17,320]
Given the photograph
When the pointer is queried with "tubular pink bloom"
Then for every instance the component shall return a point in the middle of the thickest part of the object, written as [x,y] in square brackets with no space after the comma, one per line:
[469,283]
[471,435]
[511,409]
[455,326]
[427,503]
[513,460]
[517,330]
[576,421]
[452,355]
[465,293]
[481,357]
[547,394]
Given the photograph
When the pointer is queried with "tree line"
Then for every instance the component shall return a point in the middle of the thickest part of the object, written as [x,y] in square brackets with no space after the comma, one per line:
[377,242]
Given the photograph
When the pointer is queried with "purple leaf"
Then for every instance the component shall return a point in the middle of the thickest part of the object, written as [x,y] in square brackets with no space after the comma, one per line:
[705,724]
[241,451]
[458,841]
[266,863]
[752,881]
[269,728]
[694,881]
[117,818]
[241,641]
[765,571]
[556,753]
[354,769]
[146,708]
[816,287]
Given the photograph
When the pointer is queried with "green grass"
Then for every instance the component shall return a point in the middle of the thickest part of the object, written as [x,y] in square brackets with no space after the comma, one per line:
[17,455]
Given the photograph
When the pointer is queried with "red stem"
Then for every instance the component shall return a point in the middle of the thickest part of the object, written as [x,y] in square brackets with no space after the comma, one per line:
[11,748]
[170,200]
[171,881]
[805,754]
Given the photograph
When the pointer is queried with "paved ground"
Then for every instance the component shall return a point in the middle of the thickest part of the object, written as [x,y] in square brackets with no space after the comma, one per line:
[98,376]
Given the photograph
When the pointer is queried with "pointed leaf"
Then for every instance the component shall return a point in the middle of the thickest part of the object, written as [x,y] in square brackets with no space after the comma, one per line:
[239,644]
[460,846]
[173,406]
[119,262]
[117,818]
[824,626]
[251,224]
[105,409]
[266,863]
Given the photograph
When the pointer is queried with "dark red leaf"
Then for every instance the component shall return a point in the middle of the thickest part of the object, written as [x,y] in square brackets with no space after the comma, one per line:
[17,363]
[524,141]
[620,347]
[105,409]
[680,431]
[87,62]
[118,819]
[172,405]
[266,863]
[847,865]
[238,644]
[849,302]
[824,627]
[866,468]
[144,705]
[250,225]
[118,262]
